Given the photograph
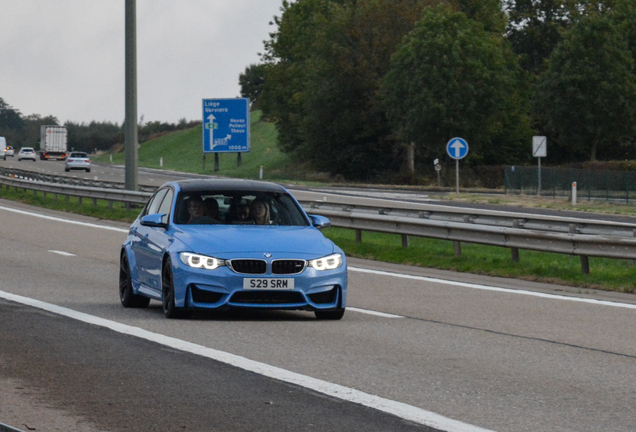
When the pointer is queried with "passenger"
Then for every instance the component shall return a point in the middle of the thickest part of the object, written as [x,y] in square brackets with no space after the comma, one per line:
[195,208]
[242,213]
[211,209]
[260,212]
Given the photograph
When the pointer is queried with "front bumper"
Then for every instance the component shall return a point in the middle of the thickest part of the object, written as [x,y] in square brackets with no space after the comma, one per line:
[222,288]
[78,166]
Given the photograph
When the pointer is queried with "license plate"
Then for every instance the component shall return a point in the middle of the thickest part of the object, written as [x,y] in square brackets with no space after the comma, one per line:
[268,283]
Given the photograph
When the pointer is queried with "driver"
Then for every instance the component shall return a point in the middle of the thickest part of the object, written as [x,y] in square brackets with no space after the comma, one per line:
[195,208]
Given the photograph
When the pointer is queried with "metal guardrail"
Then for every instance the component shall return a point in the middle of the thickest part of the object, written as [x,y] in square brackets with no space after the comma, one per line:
[485,217]
[520,238]
[571,236]
[111,195]
[73,181]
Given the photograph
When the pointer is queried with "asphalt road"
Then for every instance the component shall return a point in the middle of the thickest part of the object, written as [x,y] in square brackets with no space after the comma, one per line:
[121,383]
[498,354]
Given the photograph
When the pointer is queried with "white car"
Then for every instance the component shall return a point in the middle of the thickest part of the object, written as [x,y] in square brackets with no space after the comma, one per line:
[27,153]
[9,151]
[78,161]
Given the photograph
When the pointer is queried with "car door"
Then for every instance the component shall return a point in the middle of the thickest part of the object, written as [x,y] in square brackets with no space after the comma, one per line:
[158,240]
[139,245]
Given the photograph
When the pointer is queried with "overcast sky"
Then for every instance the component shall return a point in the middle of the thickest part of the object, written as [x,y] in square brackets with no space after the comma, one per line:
[66,57]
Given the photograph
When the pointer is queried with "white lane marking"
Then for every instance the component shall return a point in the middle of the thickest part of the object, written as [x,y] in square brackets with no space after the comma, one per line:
[62,253]
[372,312]
[491,288]
[57,219]
[399,409]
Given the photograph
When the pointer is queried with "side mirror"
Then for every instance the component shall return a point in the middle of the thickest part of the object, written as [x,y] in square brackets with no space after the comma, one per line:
[319,222]
[154,220]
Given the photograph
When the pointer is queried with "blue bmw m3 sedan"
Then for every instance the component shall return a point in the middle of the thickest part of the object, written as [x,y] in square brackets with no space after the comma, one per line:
[221,244]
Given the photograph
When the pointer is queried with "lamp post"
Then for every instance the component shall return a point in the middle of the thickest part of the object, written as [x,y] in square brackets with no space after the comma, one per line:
[130,129]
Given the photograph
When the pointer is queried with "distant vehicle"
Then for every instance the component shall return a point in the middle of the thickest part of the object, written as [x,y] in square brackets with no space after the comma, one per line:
[9,151]
[221,244]
[27,153]
[53,142]
[78,161]
[3,145]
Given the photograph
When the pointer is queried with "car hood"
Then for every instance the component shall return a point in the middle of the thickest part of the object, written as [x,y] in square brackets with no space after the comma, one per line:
[225,241]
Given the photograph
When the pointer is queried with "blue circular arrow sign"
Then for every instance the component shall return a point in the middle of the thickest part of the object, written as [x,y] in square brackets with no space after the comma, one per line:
[457,148]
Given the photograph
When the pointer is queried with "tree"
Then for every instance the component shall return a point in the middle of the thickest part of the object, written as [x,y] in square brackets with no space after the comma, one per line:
[488,12]
[450,77]
[535,28]
[10,118]
[252,82]
[624,15]
[324,66]
[30,133]
[11,124]
[586,100]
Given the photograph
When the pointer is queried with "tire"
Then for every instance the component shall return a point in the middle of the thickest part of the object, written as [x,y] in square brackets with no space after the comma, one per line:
[167,294]
[66,169]
[126,295]
[334,314]
[88,170]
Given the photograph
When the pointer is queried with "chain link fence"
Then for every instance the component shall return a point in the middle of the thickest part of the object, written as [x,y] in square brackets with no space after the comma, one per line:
[591,184]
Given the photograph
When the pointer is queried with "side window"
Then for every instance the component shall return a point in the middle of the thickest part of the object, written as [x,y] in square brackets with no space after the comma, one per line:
[166,205]
[153,205]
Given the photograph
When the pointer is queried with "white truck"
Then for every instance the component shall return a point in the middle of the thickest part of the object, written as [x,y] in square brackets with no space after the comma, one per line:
[53,142]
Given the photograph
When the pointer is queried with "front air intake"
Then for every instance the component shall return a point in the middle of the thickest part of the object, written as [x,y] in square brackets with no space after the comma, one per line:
[288,267]
[248,266]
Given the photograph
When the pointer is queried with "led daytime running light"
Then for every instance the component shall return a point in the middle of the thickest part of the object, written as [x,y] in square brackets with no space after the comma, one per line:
[329,262]
[200,261]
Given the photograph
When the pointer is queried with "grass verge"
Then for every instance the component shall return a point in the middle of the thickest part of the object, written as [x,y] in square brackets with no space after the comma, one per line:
[183,151]
[605,274]
[553,203]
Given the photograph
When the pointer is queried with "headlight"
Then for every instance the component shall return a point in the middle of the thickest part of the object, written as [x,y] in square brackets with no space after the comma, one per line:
[329,262]
[200,261]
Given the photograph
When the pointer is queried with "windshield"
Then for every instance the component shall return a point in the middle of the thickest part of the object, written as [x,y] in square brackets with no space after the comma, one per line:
[238,208]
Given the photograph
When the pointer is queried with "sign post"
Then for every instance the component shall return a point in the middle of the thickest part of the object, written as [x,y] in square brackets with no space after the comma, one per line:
[457,148]
[539,150]
[226,127]
[438,168]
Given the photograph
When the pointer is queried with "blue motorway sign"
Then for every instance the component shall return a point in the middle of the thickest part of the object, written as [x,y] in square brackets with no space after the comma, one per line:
[457,148]
[226,125]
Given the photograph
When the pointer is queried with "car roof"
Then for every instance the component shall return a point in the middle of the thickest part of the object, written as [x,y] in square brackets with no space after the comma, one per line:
[202,185]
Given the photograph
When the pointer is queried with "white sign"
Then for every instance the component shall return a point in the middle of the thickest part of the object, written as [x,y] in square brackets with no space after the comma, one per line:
[539,146]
